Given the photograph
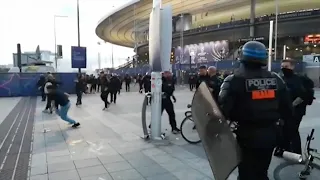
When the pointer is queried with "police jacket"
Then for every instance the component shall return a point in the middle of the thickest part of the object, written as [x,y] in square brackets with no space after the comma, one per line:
[200,79]
[255,97]
[296,89]
[214,83]
[167,88]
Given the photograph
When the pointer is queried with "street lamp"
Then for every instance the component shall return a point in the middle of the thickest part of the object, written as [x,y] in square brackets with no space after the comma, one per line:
[55,39]
[276,30]
[78,27]
[99,56]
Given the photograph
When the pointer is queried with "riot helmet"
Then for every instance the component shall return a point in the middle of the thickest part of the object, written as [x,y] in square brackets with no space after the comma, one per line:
[254,52]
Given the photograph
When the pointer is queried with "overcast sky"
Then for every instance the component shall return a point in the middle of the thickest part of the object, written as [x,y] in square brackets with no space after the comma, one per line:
[30,23]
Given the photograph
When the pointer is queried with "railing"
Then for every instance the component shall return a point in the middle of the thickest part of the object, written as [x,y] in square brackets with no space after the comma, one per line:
[246,22]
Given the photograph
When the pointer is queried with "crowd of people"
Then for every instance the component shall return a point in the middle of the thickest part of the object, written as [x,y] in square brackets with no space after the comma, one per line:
[268,107]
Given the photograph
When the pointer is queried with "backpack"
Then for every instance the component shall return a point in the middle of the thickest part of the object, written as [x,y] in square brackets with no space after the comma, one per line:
[308,85]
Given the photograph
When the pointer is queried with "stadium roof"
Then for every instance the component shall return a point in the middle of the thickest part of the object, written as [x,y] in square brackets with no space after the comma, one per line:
[120,26]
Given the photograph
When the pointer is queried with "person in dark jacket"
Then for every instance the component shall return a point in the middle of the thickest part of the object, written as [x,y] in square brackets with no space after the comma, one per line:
[214,82]
[146,80]
[114,87]
[127,80]
[105,91]
[41,82]
[80,88]
[202,77]
[192,81]
[51,81]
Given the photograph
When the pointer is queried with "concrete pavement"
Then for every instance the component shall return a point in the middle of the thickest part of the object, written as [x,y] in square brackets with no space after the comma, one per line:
[108,146]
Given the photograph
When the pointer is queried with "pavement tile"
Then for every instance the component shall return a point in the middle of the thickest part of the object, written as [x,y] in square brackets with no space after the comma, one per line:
[130,174]
[110,159]
[65,175]
[63,166]
[108,145]
[98,177]
[87,162]
[117,166]
[91,171]
[39,177]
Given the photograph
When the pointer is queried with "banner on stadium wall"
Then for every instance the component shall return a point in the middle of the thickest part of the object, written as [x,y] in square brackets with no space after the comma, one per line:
[202,52]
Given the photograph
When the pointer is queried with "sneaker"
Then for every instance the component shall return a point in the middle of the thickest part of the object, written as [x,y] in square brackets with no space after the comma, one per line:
[175,131]
[45,111]
[105,108]
[76,125]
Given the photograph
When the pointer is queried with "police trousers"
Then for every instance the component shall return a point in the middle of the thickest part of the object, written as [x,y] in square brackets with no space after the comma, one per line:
[255,163]
[168,106]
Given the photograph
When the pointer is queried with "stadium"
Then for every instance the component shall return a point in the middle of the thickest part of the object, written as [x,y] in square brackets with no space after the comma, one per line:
[212,31]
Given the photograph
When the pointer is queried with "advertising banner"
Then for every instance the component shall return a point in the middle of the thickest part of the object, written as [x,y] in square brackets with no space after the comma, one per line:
[78,57]
[202,52]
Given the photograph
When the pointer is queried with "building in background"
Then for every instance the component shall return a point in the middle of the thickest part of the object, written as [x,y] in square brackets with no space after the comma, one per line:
[29,58]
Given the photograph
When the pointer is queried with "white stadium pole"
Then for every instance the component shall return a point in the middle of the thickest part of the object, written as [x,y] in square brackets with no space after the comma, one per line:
[270,45]
[284,52]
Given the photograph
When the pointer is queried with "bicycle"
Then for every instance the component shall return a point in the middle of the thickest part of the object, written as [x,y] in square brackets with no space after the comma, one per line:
[306,160]
[188,119]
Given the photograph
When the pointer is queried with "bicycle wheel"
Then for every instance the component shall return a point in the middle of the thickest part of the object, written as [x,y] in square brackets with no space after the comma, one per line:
[189,131]
[291,170]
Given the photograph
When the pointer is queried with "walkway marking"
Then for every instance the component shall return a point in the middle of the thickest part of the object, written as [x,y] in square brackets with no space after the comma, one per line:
[5,138]
[5,158]
[18,156]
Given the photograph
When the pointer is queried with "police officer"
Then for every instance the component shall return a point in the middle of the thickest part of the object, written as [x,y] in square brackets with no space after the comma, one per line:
[214,82]
[167,90]
[202,77]
[256,99]
[298,94]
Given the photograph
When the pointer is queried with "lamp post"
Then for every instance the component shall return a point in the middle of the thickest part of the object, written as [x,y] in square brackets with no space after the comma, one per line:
[276,30]
[55,39]
[78,27]
[99,56]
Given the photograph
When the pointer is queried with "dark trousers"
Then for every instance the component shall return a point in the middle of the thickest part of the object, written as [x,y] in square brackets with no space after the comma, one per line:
[113,95]
[255,163]
[168,106]
[192,86]
[146,90]
[43,95]
[49,101]
[140,87]
[79,97]
[291,140]
[98,87]
[93,88]
[127,87]
[295,135]
[104,98]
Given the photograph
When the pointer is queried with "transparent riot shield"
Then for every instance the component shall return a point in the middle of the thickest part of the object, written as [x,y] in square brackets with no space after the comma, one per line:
[218,140]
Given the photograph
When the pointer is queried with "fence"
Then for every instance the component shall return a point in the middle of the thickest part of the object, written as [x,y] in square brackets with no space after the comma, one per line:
[25,84]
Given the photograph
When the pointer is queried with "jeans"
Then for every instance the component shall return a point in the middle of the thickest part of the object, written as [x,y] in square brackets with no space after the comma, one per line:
[63,113]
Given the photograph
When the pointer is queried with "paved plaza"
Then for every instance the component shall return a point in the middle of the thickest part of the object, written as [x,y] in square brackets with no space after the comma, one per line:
[108,144]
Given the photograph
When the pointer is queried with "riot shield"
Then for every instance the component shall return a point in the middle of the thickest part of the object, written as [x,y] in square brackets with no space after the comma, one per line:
[218,140]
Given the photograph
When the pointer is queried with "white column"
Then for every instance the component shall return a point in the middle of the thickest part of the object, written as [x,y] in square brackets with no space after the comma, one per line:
[270,45]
